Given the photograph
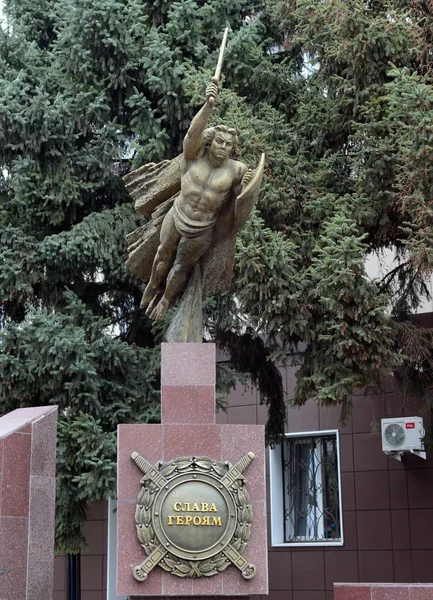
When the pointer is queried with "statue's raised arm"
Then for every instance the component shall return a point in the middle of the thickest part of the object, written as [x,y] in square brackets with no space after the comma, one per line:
[193,141]
[194,138]
[198,202]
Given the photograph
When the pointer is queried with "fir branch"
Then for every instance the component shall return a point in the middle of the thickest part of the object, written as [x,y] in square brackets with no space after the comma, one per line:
[248,354]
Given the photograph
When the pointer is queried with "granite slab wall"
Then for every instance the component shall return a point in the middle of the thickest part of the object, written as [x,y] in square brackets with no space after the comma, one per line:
[381,591]
[188,429]
[27,501]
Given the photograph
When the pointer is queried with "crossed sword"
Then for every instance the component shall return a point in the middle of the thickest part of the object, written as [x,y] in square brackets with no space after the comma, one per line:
[141,572]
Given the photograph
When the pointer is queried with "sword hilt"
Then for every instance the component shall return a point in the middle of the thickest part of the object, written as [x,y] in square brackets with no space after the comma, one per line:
[141,572]
[149,470]
[247,569]
[235,472]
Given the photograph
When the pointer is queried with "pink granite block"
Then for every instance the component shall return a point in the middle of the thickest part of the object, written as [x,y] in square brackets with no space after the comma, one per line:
[130,554]
[187,364]
[26,415]
[389,592]
[1,473]
[147,441]
[352,591]
[21,419]
[192,440]
[9,426]
[208,586]
[40,580]
[13,557]
[41,537]
[420,592]
[44,438]
[192,597]
[255,553]
[16,471]
[188,404]
[176,586]
[238,440]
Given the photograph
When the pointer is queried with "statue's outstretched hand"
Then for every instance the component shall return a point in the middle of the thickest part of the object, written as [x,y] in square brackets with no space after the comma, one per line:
[212,93]
[247,177]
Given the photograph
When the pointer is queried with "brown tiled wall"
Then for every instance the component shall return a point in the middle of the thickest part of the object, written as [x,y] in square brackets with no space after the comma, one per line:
[93,559]
[387,505]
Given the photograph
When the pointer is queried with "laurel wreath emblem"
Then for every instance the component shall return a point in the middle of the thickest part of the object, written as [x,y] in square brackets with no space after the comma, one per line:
[146,533]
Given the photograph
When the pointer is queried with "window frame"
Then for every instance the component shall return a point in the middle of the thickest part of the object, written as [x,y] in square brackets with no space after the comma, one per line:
[277,494]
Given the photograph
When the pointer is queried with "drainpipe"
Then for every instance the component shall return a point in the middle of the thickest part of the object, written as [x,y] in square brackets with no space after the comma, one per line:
[73,577]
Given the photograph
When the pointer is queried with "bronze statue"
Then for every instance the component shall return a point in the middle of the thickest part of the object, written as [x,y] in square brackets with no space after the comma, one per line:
[198,202]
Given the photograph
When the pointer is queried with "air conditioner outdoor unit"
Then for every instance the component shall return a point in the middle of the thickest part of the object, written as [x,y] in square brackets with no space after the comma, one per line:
[402,434]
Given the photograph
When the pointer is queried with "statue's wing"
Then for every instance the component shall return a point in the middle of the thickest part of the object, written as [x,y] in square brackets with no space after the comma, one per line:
[144,241]
[152,184]
[218,262]
[248,197]
[142,250]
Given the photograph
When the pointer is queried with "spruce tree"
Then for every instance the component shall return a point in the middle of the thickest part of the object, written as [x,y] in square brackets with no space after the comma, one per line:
[336,93]
[90,90]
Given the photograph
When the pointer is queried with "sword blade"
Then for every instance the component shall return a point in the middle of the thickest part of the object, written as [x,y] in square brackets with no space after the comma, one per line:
[219,66]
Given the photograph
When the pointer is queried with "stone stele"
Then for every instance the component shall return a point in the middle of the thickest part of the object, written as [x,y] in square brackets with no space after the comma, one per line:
[27,503]
[191,511]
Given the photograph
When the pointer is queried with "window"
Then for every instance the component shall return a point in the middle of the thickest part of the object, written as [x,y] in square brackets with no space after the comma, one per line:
[305,490]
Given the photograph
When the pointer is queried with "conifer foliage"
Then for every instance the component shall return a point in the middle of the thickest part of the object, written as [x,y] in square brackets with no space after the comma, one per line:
[338,95]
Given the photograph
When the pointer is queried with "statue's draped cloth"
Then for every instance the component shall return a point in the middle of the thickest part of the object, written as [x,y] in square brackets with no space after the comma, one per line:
[155,188]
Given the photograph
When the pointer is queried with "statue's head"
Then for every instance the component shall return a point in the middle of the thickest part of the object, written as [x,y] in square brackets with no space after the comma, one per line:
[221,141]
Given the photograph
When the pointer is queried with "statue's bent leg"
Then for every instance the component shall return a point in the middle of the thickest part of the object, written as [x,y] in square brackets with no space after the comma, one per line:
[189,252]
[163,261]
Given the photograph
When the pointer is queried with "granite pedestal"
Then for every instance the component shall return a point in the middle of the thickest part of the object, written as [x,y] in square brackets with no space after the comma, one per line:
[188,429]
[383,591]
[27,501]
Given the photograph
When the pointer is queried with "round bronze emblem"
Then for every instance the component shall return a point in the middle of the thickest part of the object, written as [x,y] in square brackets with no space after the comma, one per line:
[193,516]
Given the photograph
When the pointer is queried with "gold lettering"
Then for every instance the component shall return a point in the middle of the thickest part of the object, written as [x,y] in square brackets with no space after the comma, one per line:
[213,508]
[217,521]
[179,520]
[204,507]
[206,521]
[196,520]
[170,519]
[177,506]
[186,507]
[188,520]
[195,507]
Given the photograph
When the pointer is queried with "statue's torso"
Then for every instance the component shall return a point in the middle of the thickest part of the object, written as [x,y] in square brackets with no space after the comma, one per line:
[205,188]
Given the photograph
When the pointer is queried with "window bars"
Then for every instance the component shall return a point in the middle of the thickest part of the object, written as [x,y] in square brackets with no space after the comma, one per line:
[311,491]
